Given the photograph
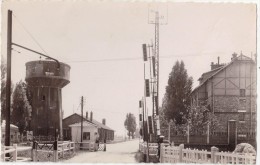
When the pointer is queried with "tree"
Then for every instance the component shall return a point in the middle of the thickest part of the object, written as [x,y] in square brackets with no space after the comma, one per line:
[130,124]
[21,108]
[198,118]
[3,89]
[177,96]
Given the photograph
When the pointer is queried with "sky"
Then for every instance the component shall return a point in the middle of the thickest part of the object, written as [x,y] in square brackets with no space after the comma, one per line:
[102,42]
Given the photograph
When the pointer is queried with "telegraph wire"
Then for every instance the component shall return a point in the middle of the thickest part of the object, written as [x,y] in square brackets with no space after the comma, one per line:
[129,59]
[27,31]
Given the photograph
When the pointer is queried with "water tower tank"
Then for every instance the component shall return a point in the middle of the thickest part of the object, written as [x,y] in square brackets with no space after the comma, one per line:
[45,80]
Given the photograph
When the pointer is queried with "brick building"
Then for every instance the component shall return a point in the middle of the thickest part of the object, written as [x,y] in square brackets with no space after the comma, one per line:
[229,90]
[103,130]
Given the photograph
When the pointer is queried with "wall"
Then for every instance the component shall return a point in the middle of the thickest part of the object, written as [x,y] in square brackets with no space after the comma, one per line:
[76,133]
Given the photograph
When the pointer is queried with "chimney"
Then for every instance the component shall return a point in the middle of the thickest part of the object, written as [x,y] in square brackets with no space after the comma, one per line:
[87,115]
[104,121]
[91,116]
[216,65]
[234,55]
[212,65]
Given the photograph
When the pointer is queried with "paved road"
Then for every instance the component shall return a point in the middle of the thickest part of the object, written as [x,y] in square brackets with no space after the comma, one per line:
[122,152]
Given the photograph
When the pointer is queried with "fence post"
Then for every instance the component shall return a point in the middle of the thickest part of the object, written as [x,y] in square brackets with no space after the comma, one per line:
[3,155]
[55,151]
[69,147]
[214,150]
[161,152]
[62,150]
[74,147]
[34,152]
[181,147]
[15,152]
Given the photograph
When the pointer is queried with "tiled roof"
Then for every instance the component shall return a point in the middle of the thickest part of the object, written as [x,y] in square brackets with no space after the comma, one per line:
[100,125]
[241,57]
[85,123]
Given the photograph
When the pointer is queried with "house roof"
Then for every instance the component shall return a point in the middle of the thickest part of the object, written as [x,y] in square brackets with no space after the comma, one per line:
[240,58]
[85,123]
[211,72]
[14,127]
[100,125]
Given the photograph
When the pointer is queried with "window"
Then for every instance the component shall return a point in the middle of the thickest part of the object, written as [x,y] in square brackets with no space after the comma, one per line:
[43,97]
[86,135]
[242,104]
[242,116]
[242,92]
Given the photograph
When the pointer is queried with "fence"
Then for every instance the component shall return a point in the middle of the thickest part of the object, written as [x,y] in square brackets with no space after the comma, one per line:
[91,146]
[177,154]
[13,153]
[51,151]
[218,139]
[153,148]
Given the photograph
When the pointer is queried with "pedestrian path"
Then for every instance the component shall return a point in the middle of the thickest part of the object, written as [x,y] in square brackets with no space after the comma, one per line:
[123,152]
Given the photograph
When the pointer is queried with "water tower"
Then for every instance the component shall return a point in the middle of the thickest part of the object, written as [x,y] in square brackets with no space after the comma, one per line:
[45,80]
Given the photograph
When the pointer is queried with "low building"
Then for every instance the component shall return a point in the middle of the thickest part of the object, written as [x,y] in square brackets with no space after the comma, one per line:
[14,133]
[89,130]
[229,91]
[104,131]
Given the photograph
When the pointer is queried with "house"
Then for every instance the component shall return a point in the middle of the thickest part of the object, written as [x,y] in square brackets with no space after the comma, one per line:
[14,132]
[89,130]
[104,131]
[229,91]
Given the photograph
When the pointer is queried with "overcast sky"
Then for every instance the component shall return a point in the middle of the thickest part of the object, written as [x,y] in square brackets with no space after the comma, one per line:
[102,42]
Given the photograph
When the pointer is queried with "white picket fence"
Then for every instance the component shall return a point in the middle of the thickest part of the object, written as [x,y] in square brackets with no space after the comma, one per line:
[177,154]
[66,146]
[13,153]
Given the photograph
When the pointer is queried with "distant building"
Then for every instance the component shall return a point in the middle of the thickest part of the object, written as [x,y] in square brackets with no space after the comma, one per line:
[229,91]
[14,132]
[75,119]
[89,130]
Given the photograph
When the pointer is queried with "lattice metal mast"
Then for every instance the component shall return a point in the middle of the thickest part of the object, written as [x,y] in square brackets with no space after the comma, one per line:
[156,84]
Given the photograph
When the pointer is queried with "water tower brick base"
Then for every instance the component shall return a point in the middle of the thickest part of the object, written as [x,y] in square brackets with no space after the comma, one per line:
[45,80]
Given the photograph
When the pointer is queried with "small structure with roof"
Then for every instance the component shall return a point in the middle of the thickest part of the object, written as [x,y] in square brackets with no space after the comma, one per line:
[14,132]
[72,126]
[89,130]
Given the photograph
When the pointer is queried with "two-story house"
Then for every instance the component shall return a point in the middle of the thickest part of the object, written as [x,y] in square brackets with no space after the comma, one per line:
[229,91]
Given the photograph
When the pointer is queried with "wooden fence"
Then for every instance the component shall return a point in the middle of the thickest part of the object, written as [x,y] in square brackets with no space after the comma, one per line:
[13,153]
[91,146]
[53,149]
[177,154]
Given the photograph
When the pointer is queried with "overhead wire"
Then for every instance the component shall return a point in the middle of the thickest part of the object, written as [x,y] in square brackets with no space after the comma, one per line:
[128,59]
[30,34]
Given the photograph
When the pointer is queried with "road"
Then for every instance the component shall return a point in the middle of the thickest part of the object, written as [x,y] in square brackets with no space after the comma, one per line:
[122,152]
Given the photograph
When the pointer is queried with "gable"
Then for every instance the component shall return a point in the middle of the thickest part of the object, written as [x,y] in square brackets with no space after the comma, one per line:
[75,118]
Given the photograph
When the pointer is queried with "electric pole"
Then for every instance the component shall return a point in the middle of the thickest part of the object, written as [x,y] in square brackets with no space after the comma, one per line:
[82,102]
[8,74]
[8,78]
